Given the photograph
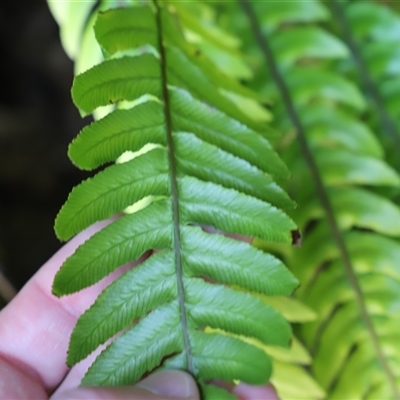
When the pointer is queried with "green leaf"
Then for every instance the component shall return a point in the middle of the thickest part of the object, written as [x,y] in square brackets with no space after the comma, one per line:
[120,242]
[329,127]
[310,83]
[306,42]
[277,13]
[300,385]
[187,155]
[126,78]
[226,358]
[231,211]
[138,350]
[214,127]
[296,354]
[268,275]
[90,52]
[373,20]
[383,59]
[71,16]
[209,163]
[190,77]
[132,129]
[356,207]
[228,62]
[292,309]
[236,312]
[342,167]
[140,290]
[130,28]
[96,144]
[126,28]
[112,190]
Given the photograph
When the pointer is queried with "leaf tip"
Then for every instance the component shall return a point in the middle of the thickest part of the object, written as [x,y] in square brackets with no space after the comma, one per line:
[55,292]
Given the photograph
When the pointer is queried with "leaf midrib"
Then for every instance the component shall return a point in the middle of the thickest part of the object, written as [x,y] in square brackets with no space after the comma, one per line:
[174,194]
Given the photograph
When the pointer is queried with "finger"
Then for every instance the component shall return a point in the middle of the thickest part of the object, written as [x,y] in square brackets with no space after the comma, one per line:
[158,386]
[249,392]
[35,327]
[17,386]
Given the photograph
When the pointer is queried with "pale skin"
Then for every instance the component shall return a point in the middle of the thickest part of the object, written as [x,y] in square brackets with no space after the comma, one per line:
[34,332]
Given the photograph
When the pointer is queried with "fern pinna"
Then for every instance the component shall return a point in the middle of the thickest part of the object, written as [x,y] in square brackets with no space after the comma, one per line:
[194,164]
[348,265]
[371,31]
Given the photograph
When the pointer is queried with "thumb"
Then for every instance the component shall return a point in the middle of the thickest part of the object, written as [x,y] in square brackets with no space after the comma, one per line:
[170,385]
[163,385]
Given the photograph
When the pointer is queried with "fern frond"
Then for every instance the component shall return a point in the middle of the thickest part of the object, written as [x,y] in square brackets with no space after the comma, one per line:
[204,167]
[350,292]
[369,31]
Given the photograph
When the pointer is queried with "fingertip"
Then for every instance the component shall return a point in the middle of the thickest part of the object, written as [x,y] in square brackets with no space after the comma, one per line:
[163,385]
[171,384]
[249,392]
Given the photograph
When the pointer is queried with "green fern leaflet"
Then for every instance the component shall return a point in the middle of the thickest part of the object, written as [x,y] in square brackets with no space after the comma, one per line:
[203,167]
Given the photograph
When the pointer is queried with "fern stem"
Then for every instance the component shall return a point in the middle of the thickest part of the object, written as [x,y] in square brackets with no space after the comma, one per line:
[174,193]
[370,87]
[320,188]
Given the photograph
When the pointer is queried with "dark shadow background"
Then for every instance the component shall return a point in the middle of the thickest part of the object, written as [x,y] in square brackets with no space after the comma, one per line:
[37,121]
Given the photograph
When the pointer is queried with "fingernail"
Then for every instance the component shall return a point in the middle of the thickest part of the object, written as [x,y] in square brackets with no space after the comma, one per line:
[173,384]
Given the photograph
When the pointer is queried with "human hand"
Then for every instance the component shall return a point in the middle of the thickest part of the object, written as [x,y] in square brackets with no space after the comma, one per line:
[34,332]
